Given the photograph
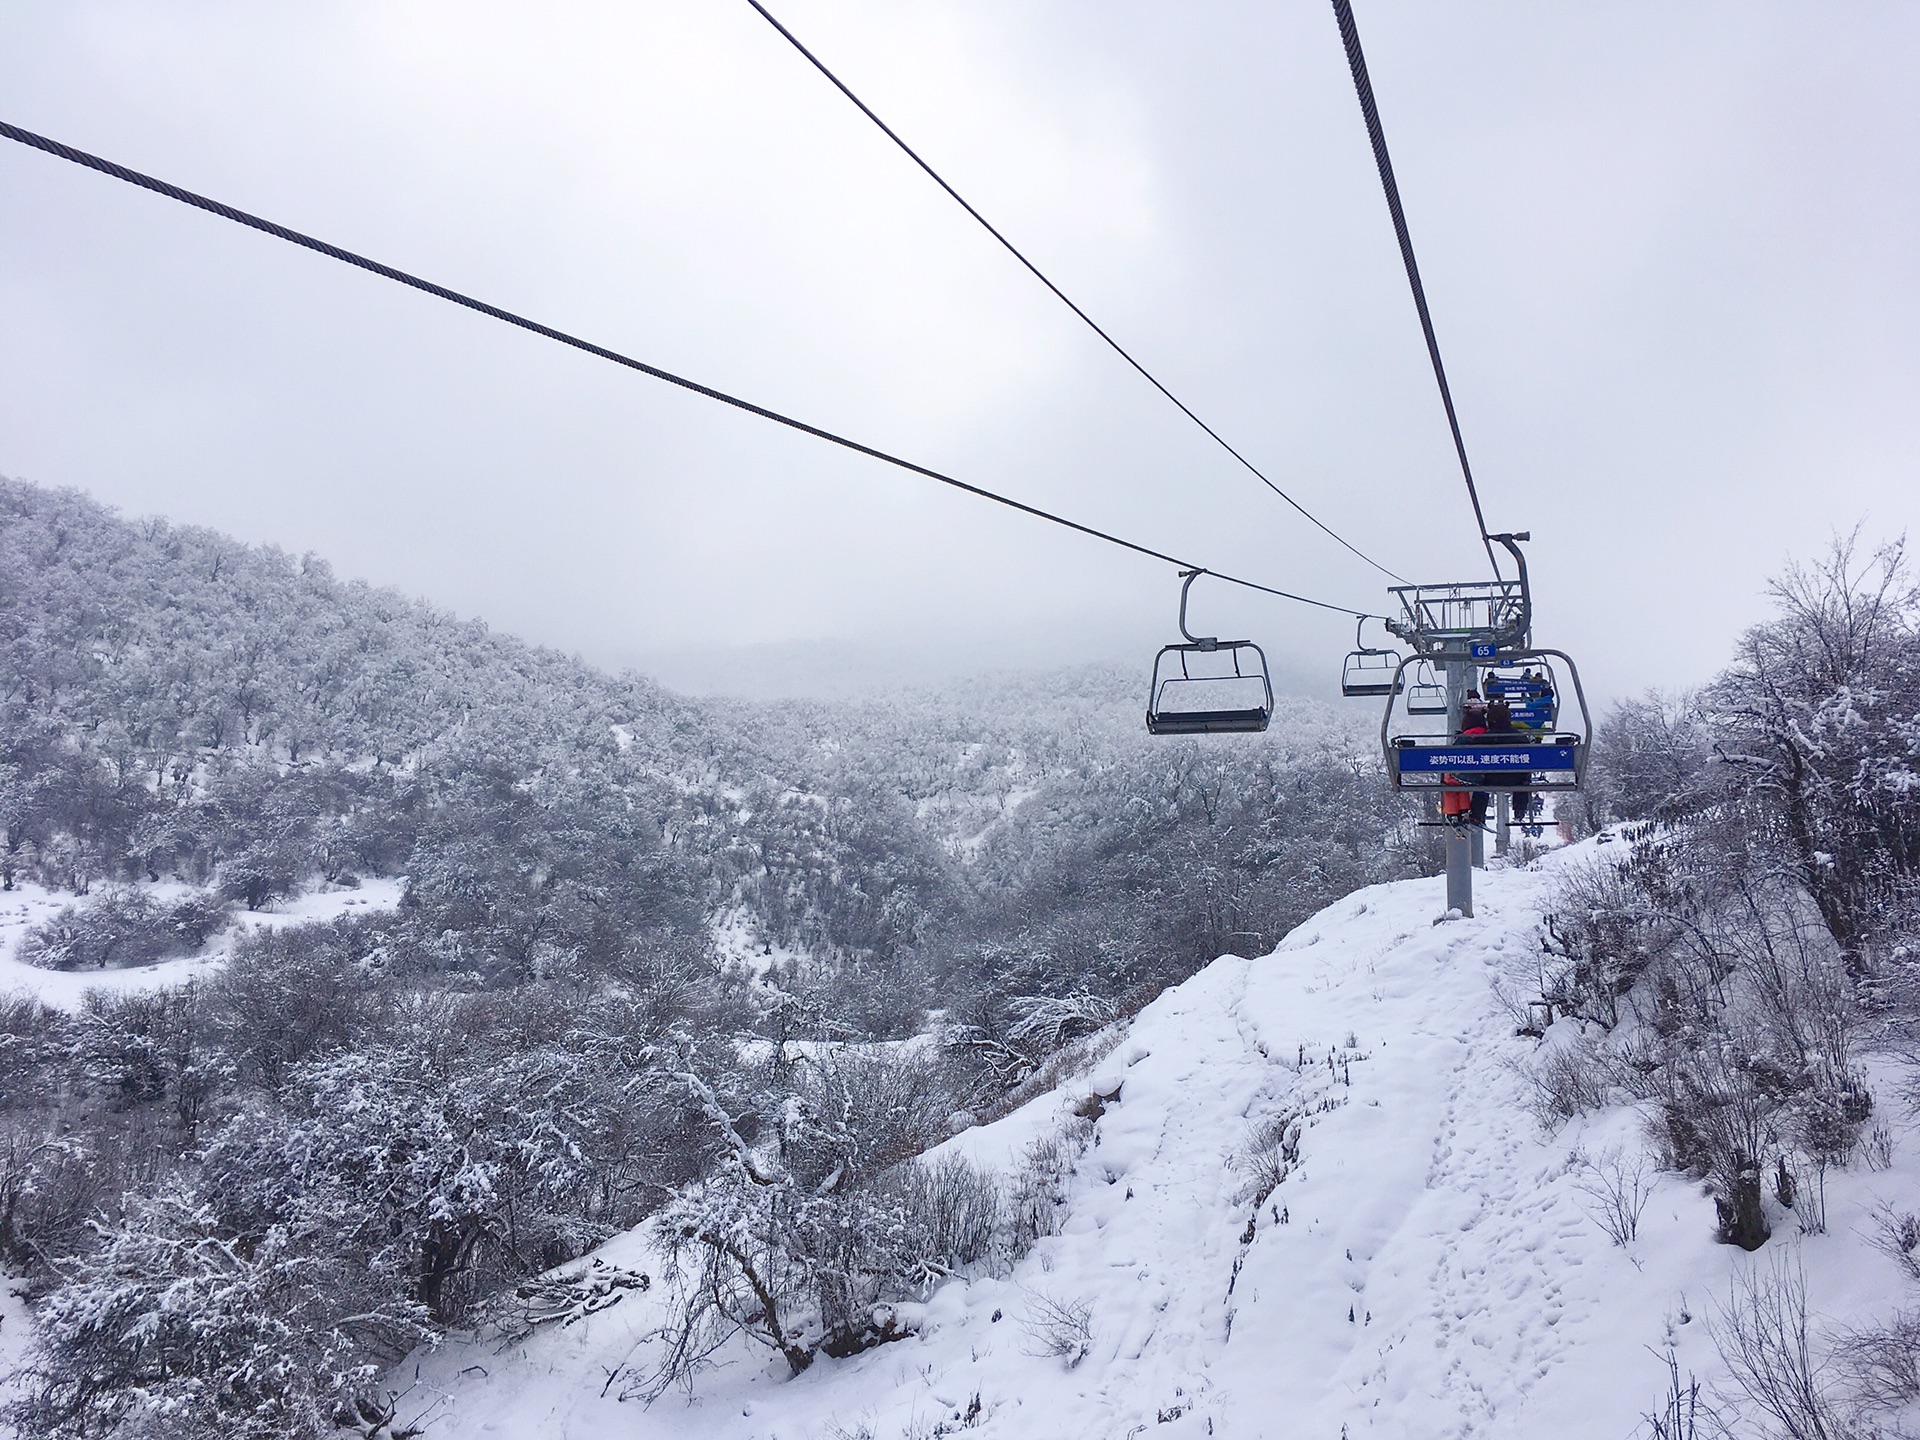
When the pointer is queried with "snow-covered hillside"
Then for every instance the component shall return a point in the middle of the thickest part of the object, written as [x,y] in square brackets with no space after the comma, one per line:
[1430,1266]
[28,905]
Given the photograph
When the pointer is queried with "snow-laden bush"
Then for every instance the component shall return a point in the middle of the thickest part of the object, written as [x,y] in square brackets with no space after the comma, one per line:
[177,1326]
[123,926]
[47,1190]
[818,1218]
[287,995]
[1706,983]
[152,1046]
[1608,923]
[32,1049]
[1764,1335]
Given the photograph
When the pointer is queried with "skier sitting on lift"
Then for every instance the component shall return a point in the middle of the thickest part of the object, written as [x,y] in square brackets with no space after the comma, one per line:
[1499,721]
[1473,715]
[1457,804]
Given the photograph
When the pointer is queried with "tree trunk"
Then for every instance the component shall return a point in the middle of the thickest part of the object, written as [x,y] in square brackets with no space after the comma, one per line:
[1743,1218]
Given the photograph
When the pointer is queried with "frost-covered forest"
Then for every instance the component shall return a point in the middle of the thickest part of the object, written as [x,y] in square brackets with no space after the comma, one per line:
[635,936]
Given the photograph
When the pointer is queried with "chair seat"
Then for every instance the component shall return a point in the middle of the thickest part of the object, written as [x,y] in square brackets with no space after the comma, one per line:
[1208,722]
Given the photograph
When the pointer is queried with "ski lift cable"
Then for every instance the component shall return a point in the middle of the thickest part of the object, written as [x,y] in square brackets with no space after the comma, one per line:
[1363,87]
[375,267]
[1061,295]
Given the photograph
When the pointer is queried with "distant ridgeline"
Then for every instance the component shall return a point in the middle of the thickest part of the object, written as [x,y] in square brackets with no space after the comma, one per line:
[174,704]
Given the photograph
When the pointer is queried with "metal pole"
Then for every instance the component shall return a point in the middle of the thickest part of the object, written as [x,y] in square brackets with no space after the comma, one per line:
[1459,848]
[1503,823]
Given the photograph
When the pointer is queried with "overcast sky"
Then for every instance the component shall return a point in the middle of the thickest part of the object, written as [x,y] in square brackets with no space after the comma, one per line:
[1672,252]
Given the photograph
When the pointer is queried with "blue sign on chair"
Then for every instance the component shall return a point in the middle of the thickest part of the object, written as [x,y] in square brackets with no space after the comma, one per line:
[1488,757]
[1482,651]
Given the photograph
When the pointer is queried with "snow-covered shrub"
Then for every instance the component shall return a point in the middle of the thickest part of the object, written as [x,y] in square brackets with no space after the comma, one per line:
[1272,1152]
[461,1173]
[1815,723]
[123,926]
[1058,1328]
[1569,1076]
[1683,1414]
[958,1217]
[1880,1364]
[1606,924]
[149,1046]
[1897,1236]
[176,1325]
[812,1224]
[890,1104]
[1043,1023]
[562,1298]
[287,995]
[33,1048]
[1763,1335]
[1021,1046]
[1652,758]
[1617,1184]
[47,1189]
[1039,1186]
[1719,1124]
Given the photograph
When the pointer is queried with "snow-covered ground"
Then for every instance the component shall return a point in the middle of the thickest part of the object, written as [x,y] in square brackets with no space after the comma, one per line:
[1429,1268]
[16,1336]
[26,906]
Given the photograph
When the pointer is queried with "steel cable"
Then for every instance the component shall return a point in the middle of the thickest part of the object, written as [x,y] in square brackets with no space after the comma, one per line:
[1035,271]
[388,272]
[1363,86]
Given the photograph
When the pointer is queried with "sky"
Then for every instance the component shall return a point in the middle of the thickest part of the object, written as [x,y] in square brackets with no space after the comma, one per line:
[1671,252]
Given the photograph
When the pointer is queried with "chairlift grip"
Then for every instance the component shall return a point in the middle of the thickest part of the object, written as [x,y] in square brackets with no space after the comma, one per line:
[1386,717]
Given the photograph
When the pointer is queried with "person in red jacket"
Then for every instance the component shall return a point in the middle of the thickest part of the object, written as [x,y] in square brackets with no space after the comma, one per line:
[1458,803]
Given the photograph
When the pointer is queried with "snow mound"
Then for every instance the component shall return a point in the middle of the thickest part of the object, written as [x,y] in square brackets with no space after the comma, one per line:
[1428,1265]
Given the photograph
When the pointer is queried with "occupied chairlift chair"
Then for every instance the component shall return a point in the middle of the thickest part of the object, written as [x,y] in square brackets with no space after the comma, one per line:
[1231,694]
[1533,700]
[1368,672]
[1488,624]
[1542,761]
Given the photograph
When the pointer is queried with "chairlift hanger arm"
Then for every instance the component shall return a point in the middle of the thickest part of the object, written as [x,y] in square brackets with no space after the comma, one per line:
[1205,642]
[1510,540]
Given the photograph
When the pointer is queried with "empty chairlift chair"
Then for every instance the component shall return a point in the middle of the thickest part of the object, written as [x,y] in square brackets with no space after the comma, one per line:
[1369,672]
[1426,692]
[1208,686]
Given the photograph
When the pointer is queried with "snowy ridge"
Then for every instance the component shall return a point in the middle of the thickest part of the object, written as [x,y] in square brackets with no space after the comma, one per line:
[1428,1267]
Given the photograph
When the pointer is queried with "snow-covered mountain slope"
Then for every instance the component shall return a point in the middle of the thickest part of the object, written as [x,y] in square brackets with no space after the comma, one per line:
[1428,1268]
